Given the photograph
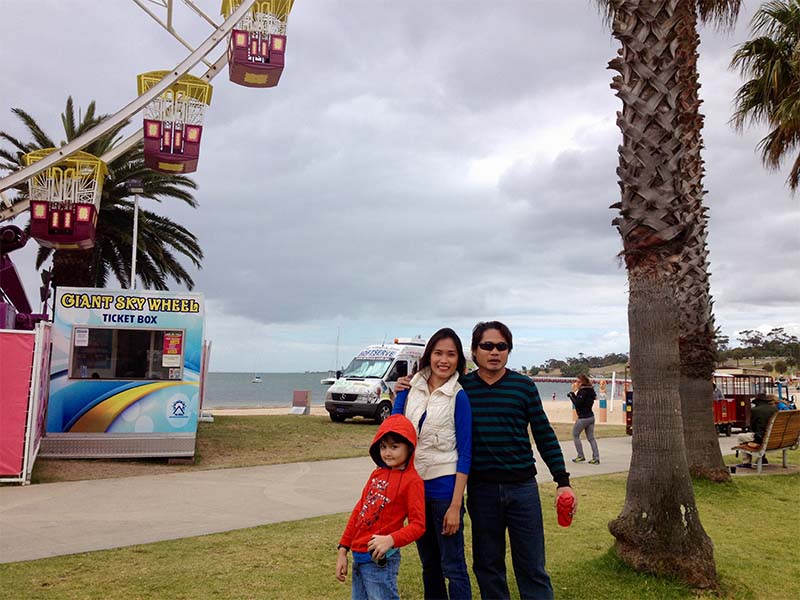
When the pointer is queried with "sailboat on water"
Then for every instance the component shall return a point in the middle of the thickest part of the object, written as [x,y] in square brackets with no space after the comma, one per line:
[332,374]
[256,379]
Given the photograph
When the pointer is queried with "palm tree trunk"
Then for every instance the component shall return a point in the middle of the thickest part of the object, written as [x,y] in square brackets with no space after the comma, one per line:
[659,529]
[697,346]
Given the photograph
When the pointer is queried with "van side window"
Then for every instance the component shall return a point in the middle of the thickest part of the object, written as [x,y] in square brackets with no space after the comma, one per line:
[400,369]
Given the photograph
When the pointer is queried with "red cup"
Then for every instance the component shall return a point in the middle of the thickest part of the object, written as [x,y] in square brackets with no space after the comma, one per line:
[564,507]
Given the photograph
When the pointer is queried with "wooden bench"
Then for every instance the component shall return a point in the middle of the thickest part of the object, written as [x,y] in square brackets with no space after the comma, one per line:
[783,433]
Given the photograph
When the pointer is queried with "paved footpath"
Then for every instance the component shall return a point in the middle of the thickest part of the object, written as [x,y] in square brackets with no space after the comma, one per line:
[52,519]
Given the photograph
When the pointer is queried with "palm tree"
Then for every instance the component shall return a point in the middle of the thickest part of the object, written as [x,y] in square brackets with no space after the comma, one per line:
[161,240]
[771,95]
[697,329]
[659,528]
[697,346]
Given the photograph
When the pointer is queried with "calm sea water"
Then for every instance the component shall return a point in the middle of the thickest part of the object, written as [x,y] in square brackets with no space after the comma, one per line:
[235,390]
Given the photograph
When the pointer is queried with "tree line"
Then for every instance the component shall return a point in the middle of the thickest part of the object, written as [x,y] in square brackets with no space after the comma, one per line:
[775,345]
[576,365]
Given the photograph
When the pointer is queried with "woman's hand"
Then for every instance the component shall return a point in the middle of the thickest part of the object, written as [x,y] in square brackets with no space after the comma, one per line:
[379,545]
[341,565]
[402,384]
[452,520]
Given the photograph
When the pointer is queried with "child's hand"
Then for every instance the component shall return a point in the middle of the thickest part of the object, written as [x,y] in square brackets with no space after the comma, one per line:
[341,565]
[379,545]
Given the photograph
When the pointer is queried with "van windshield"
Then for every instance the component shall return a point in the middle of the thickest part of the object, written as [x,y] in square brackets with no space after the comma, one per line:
[360,367]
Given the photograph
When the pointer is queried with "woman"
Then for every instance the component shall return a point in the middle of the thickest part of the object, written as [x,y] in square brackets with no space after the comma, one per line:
[583,401]
[440,411]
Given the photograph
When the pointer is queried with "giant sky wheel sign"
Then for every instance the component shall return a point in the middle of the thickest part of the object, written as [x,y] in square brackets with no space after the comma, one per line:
[65,200]
[173,122]
[257,44]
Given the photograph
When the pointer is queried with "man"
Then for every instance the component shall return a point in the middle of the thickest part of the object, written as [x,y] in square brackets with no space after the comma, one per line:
[760,414]
[501,491]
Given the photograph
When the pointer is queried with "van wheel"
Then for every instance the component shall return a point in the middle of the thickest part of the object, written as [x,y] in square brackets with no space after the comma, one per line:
[337,418]
[383,412]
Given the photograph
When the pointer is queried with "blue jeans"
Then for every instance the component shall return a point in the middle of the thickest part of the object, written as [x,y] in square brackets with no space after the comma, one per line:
[493,508]
[371,582]
[442,556]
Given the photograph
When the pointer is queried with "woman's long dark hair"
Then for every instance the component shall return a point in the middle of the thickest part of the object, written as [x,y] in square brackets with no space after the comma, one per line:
[440,335]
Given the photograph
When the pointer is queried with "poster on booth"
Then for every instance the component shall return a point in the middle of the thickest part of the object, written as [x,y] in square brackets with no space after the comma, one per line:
[125,361]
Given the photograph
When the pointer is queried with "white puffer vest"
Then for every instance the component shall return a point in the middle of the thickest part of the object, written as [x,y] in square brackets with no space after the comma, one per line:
[436,454]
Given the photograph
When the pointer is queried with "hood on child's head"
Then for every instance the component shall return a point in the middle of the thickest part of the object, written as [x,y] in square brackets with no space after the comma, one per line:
[399,426]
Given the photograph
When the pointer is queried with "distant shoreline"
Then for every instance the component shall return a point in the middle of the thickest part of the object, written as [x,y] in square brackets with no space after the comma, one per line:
[559,411]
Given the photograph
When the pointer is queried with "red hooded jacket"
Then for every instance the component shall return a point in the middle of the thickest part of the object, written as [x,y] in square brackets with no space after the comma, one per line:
[389,496]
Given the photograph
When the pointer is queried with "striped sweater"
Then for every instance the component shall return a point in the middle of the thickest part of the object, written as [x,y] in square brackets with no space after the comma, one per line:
[501,447]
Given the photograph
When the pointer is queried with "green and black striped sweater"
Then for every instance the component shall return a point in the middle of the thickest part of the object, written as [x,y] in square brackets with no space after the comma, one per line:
[501,413]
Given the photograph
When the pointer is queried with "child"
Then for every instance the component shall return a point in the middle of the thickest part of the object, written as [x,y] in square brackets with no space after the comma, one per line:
[394,492]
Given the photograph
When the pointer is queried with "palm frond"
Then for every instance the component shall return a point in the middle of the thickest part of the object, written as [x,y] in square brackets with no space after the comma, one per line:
[39,136]
[722,13]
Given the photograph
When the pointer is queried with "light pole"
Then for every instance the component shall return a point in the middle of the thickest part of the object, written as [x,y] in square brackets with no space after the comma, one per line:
[135,187]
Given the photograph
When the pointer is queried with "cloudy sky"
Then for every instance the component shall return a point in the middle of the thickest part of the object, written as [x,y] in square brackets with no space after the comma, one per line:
[421,164]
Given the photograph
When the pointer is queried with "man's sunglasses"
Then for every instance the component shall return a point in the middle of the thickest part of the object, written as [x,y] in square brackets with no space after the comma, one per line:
[502,346]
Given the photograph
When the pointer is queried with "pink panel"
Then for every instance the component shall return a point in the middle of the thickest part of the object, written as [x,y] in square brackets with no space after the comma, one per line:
[301,398]
[16,358]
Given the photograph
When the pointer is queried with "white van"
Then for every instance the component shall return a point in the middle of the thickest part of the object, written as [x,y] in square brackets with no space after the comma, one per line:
[366,387]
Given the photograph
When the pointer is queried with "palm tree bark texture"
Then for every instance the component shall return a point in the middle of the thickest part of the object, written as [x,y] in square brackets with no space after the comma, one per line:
[697,331]
[659,528]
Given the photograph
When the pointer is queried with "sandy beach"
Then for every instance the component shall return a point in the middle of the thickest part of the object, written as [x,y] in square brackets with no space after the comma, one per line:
[557,412]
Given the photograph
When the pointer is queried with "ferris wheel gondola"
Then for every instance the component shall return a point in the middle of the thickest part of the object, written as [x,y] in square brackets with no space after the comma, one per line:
[65,199]
[257,45]
[173,122]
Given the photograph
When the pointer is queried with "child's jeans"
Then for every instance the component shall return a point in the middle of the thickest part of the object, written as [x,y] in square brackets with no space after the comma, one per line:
[371,582]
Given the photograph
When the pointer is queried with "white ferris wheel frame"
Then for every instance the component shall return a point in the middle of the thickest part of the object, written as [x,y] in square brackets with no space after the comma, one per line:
[9,211]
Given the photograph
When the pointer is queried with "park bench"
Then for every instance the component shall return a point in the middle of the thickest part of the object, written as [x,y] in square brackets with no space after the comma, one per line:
[783,433]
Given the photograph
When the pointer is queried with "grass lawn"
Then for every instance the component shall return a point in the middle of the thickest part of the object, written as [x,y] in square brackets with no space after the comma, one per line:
[250,441]
[296,559]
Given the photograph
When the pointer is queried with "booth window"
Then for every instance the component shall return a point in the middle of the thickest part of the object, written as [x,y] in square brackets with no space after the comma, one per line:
[126,354]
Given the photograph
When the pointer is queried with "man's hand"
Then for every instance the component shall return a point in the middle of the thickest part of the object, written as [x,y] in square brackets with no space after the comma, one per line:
[341,565]
[564,490]
[402,384]
[379,545]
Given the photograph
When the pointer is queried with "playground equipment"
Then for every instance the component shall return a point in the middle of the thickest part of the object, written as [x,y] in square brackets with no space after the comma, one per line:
[257,44]
[173,122]
[65,199]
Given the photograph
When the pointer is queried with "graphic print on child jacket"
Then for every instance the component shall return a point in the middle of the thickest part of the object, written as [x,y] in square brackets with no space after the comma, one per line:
[389,497]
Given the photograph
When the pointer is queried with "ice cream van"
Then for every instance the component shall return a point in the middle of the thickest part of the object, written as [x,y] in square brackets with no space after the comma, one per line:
[366,387]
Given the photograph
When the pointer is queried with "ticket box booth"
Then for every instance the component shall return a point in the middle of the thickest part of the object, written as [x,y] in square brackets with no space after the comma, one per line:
[125,373]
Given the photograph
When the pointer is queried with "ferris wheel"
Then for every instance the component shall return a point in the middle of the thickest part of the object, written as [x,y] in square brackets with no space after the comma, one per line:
[65,184]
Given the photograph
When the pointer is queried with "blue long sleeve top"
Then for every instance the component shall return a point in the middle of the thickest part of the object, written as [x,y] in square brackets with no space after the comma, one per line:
[441,488]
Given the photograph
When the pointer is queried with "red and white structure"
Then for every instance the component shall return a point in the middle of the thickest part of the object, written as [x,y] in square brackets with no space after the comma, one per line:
[24,378]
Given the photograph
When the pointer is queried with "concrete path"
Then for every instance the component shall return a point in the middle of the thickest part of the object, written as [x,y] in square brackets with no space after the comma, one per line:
[52,519]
